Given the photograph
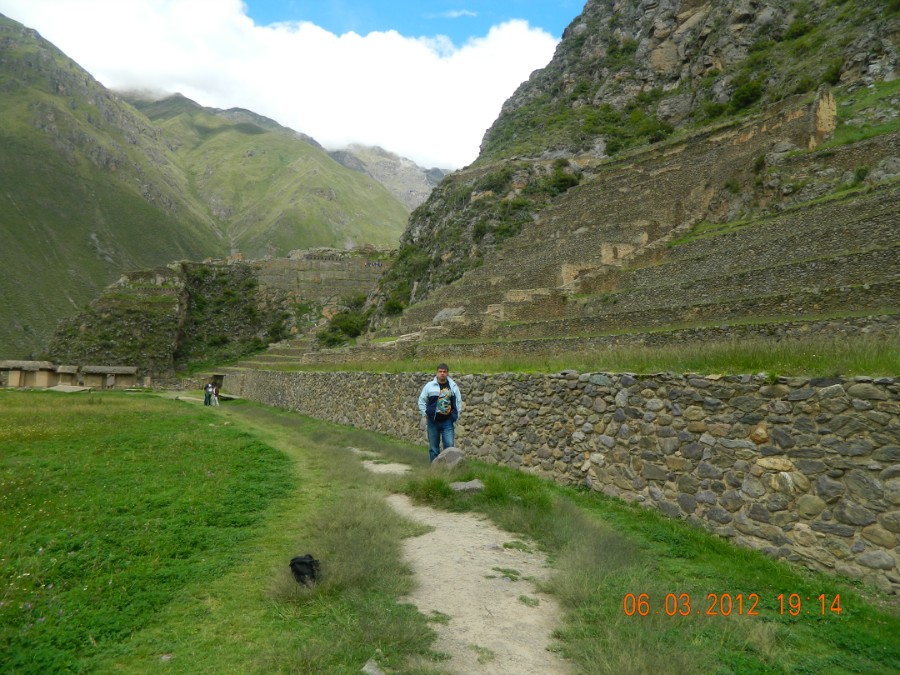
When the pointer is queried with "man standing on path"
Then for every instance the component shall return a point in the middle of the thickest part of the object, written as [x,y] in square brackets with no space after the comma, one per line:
[440,403]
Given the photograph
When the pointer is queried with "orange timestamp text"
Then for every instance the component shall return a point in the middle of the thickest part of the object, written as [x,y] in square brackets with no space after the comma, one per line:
[730,604]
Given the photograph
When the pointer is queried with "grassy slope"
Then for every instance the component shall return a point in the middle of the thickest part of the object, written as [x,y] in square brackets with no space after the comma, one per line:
[272,190]
[73,165]
[867,355]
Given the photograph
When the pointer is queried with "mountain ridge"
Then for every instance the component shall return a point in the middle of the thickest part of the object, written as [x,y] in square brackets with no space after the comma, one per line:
[93,187]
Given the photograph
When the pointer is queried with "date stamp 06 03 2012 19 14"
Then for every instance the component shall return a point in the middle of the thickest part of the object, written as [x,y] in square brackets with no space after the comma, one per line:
[728,604]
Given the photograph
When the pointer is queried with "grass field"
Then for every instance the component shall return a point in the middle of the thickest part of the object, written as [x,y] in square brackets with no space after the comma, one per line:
[142,535]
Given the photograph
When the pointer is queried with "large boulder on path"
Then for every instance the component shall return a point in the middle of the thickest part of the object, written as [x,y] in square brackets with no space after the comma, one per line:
[449,458]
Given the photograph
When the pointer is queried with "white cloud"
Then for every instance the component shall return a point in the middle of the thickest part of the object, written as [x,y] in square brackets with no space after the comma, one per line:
[459,14]
[425,99]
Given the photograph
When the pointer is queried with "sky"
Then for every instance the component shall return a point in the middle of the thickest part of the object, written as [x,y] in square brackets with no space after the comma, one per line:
[422,79]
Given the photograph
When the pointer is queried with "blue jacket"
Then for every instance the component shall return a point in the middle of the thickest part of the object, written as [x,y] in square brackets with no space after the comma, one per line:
[429,395]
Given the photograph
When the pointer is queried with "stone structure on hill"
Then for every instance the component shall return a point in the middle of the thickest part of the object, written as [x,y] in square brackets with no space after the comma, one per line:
[652,249]
[653,118]
[217,309]
[322,275]
[571,265]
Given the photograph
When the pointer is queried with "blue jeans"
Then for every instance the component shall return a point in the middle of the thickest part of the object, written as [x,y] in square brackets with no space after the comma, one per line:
[439,432]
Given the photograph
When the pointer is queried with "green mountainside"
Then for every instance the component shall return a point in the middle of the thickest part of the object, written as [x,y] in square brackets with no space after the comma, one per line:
[88,190]
[269,188]
[91,187]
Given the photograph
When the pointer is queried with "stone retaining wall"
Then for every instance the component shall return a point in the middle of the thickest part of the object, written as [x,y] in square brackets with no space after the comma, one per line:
[875,298]
[320,278]
[887,325]
[806,470]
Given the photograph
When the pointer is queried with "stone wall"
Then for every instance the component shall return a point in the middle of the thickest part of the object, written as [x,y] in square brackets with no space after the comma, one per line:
[321,277]
[805,470]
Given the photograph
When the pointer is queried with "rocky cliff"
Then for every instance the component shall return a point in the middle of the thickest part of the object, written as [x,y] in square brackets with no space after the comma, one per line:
[631,72]
[406,180]
[636,77]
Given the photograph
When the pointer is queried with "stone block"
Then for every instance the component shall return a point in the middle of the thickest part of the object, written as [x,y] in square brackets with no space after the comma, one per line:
[887,453]
[778,502]
[833,528]
[670,509]
[654,472]
[782,438]
[810,467]
[810,506]
[867,392]
[688,484]
[449,458]
[853,514]
[719,515]
[783,518]
[892,491]
[829,490]
[775,463]
[707,497]
[707,470]
[890,521]
[688,503]
[865,488]
[692,451]
[880,536]
[469,487]
[759,513]
[878,560]
[753,487]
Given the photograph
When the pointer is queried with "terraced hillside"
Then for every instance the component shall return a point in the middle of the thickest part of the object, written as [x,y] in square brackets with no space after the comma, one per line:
[735,231]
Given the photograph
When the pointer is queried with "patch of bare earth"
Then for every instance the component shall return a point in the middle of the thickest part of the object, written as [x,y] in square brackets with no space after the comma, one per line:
[370,461]
[491,619]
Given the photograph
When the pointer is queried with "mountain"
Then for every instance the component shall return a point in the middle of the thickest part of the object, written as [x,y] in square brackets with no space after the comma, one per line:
[630,77]
[88,189]
[268,188]
[626,74]
[405,179]
[91,187]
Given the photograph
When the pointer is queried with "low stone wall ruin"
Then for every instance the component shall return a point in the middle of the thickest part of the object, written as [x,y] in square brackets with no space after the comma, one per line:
[805,470]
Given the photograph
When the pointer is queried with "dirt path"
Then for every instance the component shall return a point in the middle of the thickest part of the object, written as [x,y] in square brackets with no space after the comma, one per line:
[490,619]
[496,625]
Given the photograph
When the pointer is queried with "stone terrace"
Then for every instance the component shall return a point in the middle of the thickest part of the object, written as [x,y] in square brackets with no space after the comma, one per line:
[623,253]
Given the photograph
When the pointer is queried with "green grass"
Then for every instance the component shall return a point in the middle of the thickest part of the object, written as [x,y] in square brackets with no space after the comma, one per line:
[813,357]
[118,506]
[855,121]
[154,534]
